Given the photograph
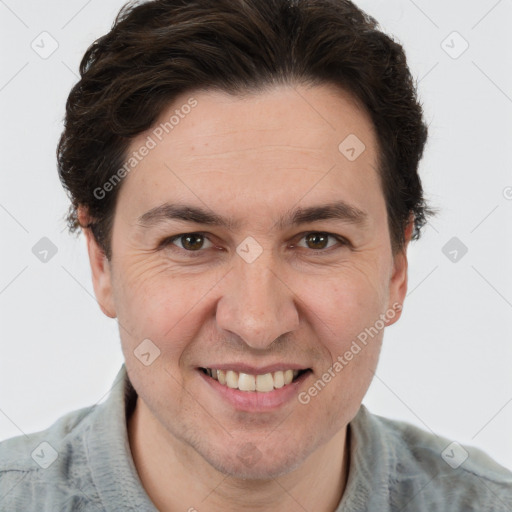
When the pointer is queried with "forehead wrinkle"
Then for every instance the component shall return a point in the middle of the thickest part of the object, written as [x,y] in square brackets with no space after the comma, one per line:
[258,150]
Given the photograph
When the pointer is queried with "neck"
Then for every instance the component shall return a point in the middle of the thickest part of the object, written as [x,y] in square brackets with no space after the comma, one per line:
[317,484]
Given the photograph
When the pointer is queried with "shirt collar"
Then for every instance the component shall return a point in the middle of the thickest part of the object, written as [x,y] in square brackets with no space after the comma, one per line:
[369,466]
[108,451]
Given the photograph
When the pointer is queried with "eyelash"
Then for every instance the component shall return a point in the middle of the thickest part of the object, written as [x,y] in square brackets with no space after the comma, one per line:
[168,242]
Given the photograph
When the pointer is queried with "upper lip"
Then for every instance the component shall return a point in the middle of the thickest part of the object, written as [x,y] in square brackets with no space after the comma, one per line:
[255,370]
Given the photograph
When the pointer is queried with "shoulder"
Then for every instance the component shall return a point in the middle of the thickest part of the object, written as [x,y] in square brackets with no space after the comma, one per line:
[432,469]
[47,466]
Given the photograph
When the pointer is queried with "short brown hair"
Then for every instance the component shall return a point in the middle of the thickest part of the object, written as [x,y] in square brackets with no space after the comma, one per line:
[162,48]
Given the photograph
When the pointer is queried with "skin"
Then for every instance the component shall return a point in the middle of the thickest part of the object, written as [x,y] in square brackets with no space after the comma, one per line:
[251,159]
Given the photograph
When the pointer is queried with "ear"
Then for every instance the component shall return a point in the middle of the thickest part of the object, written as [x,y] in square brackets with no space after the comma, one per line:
[100,268]
[398,282]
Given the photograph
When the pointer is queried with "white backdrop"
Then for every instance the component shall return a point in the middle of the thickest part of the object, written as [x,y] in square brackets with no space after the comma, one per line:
[446,366]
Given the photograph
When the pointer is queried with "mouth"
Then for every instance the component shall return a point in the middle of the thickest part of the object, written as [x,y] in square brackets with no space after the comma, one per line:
[263,383]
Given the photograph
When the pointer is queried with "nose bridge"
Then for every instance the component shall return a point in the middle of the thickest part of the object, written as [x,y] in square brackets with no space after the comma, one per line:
[256,305]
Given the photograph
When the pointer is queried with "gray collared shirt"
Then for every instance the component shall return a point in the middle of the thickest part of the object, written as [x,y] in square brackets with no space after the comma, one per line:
[83,463]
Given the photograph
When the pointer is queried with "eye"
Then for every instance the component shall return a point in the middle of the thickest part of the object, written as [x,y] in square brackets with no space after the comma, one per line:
[192,242]
[320,241]
[196,242]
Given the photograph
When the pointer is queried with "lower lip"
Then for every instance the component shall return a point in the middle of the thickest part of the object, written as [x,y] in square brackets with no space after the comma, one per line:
[254,401]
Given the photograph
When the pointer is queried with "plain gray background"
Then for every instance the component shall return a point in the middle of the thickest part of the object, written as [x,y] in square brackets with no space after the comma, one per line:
[446,366]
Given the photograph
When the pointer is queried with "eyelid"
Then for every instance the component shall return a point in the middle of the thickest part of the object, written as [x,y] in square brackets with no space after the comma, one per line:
[338,239]
[170,241]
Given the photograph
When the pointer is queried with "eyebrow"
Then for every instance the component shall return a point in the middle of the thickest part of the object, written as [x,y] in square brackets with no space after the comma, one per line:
[338,210]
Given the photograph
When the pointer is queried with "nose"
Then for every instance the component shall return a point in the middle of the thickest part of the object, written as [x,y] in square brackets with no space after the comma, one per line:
[256,305]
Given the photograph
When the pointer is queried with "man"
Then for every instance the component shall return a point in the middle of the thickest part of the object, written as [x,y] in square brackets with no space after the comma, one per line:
[245,173]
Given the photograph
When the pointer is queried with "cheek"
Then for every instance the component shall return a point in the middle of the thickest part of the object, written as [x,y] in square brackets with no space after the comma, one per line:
[345,312]
[156,302]
[345,304]
[352,344]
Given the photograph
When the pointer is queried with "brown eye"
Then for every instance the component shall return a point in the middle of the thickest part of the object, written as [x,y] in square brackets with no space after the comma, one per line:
[317,240]
[192,242]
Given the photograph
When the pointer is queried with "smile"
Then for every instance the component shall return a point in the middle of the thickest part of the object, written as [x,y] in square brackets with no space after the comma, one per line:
[264,383]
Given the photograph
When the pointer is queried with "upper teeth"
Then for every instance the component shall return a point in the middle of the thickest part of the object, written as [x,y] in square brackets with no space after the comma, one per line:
[246,382]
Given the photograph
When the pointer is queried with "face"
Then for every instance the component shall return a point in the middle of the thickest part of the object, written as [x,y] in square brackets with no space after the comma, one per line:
[271,261]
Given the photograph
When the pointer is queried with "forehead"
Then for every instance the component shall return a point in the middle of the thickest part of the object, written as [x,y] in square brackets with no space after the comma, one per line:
[314,119]
[273,147]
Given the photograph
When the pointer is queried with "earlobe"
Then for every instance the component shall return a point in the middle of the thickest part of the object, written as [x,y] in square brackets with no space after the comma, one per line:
[100,270]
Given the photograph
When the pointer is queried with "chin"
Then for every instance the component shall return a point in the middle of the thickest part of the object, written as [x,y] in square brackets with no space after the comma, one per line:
[249,463]
[269,470]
